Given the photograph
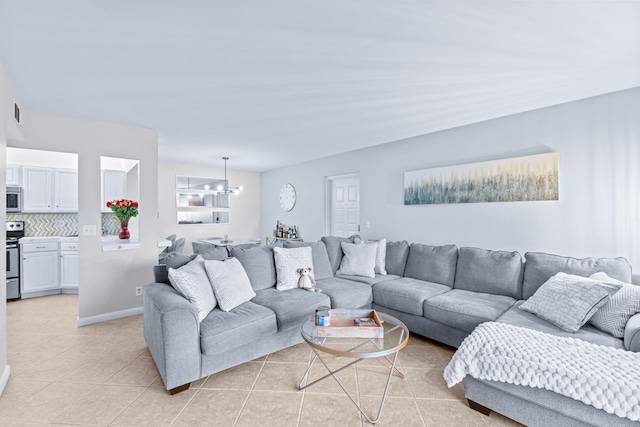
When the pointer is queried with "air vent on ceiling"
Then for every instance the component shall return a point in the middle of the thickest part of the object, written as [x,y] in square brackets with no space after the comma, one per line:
[16,113]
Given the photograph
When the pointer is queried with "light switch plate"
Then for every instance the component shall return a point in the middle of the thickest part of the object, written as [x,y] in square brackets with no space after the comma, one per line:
[88,230]
[367,224]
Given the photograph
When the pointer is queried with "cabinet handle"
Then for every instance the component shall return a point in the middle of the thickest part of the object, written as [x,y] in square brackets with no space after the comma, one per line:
[40,247]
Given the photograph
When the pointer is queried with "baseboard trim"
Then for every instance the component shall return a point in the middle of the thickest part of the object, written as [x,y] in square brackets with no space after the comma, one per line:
[108,316]
[5,378]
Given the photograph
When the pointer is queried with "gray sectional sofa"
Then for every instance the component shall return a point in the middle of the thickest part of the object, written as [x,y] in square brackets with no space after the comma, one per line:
[440,292]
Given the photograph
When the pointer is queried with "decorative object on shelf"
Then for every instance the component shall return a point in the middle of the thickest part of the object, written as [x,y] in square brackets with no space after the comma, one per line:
[226,190]
[528,178]
[124,210]
[284,232]
[287,197]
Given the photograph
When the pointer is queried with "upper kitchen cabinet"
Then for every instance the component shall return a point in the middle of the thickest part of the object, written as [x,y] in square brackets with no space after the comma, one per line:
[66,190]
[114,183]
[13,176]
[49,190]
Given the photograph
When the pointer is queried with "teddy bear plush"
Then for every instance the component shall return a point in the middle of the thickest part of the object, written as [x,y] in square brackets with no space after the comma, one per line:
[307,281]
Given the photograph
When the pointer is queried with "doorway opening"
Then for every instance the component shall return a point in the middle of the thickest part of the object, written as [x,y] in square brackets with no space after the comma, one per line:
[342,217]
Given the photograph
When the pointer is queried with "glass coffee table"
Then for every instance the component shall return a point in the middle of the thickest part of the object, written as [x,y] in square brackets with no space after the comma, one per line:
[385,350]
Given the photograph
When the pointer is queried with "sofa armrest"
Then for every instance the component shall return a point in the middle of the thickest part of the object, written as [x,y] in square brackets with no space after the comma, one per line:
[632,334]
[635,279]
[172,333]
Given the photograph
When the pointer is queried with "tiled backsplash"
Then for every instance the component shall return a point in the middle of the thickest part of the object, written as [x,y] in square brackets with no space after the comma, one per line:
[59,224]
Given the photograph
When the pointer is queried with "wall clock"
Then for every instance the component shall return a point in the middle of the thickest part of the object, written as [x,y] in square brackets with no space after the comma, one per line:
[287,197]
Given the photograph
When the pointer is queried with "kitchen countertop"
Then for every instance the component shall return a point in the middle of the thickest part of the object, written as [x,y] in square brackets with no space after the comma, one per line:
[61,239]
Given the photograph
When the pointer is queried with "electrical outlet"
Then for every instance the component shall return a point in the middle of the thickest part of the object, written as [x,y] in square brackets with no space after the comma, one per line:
[139,291]
[88,230]
[367,224]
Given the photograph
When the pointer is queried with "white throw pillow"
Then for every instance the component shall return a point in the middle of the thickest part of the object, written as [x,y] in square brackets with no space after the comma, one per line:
[288,261]
[358,259]
[613,316]
[192,282]
[381,254]
[230,283]
[569,301]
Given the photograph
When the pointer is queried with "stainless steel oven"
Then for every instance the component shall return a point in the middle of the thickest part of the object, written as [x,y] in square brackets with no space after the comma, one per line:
[14,231]
[14,199]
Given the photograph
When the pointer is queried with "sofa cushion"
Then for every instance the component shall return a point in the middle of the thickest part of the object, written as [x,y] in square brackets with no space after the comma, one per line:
[222,331]
[517,317]
[464,309]
[192,282]
[334,250]
[370,280]
[568,301]
[321,265]
[215,253]
[230,283]
[406,294]
[358,259]
[539,267]
[288,263]
[491,272]
[346,293]
[395,260]
[435,264]
[290,306]
[259,264]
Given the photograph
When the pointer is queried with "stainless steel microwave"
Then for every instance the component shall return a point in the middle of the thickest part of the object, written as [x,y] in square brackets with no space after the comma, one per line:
[14,199]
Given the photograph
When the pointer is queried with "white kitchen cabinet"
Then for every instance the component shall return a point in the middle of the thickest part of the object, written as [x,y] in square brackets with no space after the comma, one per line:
[113,186]
[69,267]
[50,190]
[13,176]
[38,188]
[39,269]
[65,190]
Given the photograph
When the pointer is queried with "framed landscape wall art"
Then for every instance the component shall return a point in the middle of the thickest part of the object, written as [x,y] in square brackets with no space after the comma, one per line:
[518,179]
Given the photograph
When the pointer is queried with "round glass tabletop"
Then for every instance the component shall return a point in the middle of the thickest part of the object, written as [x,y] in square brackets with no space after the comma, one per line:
[396,336]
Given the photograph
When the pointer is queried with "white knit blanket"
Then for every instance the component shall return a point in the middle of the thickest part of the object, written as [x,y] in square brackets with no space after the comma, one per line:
[603,377]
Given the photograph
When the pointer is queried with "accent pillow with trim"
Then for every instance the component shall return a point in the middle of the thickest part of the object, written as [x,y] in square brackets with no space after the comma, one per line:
[288,261]
[230,283]
[568,301]
[613,316]
[192,282]
[358,259]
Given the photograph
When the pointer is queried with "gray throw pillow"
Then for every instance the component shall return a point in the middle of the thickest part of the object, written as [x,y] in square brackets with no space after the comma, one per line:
[192,282]
[358,259]
[334,250]
[613,316]
[230,283]
[569,301]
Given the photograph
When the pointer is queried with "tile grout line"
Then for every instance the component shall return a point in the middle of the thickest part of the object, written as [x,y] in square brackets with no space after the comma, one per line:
[244,404]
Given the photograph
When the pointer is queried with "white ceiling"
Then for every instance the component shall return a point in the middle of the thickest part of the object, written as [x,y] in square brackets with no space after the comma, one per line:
[271,83]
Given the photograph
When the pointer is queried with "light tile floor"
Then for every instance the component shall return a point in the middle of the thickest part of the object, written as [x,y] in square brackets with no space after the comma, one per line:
[103,375]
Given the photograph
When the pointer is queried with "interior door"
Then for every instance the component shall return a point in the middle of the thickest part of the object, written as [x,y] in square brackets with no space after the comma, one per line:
[345,207]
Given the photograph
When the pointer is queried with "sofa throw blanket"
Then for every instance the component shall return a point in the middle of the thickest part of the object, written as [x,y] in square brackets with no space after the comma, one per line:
[604,377]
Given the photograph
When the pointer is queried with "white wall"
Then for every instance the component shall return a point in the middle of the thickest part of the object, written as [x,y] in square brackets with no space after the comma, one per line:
[598,213]
[4,367]
[107,279]
[244,211]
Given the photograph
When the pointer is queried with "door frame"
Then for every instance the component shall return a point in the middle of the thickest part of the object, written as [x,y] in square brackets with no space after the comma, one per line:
[327,198]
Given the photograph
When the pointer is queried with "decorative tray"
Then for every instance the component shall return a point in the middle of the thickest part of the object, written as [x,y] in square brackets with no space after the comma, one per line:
[342,324]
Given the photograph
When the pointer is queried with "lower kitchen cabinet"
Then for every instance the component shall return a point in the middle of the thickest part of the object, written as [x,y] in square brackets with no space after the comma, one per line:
[40,269]
[49,268]
[69,268]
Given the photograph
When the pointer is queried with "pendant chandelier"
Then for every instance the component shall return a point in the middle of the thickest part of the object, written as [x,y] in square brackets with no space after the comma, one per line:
[226,190]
